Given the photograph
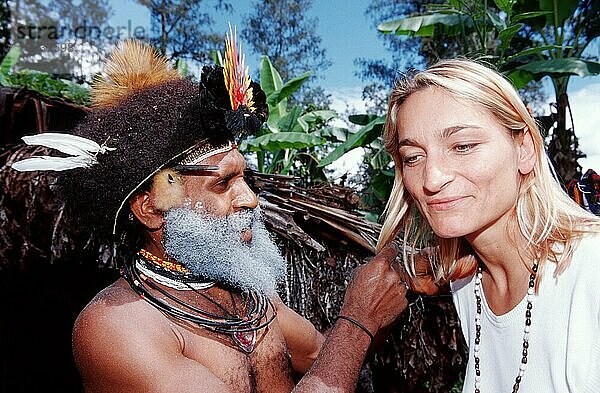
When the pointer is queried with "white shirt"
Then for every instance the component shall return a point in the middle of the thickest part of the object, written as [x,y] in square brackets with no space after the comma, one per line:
[564,342]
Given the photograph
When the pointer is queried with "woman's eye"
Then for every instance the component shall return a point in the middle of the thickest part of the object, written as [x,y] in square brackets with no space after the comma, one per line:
[411,160]
[464,148]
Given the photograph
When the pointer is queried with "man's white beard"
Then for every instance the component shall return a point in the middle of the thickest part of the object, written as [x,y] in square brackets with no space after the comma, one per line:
[212,248]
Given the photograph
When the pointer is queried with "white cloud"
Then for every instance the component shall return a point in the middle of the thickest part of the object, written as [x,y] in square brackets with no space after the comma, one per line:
[585,104]
[345,101]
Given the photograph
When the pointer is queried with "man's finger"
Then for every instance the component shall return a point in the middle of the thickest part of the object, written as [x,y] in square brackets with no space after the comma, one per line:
[387,253]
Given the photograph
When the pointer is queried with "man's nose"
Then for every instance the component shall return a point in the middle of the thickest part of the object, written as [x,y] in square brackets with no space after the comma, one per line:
[437,174]
[245,198]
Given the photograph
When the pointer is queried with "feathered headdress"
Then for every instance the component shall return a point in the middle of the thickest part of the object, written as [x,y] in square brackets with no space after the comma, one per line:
[136,66]
[236,76]
[147,118]
[133,67]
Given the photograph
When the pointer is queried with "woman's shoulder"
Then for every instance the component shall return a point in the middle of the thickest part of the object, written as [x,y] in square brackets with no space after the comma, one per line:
[584,265]
[585,253]
[589,244]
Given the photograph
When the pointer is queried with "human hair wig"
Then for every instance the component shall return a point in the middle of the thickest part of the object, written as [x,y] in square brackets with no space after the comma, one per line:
[151,117]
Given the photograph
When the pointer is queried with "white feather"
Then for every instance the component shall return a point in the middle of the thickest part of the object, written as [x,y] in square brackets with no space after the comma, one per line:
[46,163]
[68,144]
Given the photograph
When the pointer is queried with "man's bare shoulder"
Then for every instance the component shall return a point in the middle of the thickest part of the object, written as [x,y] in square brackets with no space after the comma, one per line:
[115,310]
[116,305]
[114,328]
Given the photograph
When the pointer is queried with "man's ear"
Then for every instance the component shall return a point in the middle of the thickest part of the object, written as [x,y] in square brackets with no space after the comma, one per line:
[527,157]
[144,210]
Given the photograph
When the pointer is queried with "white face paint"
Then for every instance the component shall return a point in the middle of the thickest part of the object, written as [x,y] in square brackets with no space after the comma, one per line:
[199,207]
[212,248]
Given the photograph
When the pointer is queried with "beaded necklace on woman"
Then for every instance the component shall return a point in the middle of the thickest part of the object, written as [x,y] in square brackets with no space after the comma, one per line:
[530,292]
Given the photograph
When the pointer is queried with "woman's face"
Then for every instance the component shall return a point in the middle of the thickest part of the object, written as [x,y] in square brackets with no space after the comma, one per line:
[459,165]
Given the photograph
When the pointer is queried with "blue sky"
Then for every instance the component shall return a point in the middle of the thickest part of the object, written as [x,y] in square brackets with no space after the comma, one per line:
[347,33]
[343,27]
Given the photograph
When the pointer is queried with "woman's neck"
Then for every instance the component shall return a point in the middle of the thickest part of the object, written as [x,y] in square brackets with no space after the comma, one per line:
[505,275]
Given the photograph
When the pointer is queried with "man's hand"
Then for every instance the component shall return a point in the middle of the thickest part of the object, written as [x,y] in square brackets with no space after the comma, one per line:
[423,282]
[377,294]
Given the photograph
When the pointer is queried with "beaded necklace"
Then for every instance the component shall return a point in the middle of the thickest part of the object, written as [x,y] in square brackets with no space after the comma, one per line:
[241,328]
[169,265]
[523,365]
[169,273]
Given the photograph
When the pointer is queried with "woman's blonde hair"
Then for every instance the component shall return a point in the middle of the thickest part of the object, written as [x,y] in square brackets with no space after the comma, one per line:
[545,215]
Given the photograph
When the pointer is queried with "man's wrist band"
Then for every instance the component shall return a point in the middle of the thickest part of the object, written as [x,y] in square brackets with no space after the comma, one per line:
[356,323]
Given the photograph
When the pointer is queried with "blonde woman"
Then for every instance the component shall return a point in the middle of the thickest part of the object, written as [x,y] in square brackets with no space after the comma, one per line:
[473,181]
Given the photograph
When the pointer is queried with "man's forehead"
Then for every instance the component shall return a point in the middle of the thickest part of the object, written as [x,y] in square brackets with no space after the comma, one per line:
[231,161]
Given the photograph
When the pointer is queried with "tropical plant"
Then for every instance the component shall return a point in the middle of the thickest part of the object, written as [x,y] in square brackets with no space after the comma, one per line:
[376,161]
[553,36]
[293,139]
[40,82]
[8,62]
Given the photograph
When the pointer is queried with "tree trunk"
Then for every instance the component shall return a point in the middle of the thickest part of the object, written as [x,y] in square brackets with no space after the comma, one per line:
[5,22]
[563,148]
[163,28]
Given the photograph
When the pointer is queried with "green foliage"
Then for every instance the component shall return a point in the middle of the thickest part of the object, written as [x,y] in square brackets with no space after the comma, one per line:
[40,82]
[362,137]
[11,58]
[7,63]
[283,140]
[449,24]
[47,85]
[558,11]
[554,68]
[182,67]
[294,138]
[503,24]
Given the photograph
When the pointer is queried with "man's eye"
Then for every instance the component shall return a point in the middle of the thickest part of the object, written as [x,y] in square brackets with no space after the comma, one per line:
[223,183]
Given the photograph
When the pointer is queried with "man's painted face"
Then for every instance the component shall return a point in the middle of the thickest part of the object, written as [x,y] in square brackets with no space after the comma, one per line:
[222,192]
[460,166]
[219,234]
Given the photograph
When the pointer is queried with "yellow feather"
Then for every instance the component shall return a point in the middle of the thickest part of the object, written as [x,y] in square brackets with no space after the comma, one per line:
[133,67]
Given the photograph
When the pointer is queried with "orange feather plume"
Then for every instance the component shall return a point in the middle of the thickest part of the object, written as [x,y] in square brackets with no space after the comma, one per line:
[236,76]
[133,67]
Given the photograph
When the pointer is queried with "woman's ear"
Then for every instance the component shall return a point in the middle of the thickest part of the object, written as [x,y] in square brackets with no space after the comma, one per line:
[527,157]
[142,207]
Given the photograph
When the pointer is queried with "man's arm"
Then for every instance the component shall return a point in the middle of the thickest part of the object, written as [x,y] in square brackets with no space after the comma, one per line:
[374,298]
[302,339]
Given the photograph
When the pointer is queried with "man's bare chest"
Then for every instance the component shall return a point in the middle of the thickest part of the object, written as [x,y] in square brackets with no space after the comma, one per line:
[266,370]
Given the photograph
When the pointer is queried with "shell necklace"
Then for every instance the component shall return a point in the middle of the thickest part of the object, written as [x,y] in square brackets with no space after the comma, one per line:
[530,291]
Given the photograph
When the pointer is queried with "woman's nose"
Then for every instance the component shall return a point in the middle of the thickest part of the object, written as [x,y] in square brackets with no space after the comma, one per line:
[437,174]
